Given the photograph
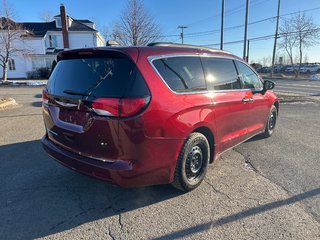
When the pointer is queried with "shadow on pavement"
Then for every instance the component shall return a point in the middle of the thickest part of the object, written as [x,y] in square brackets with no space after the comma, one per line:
[36,104]
[256,138]
[241,215]
[39,197]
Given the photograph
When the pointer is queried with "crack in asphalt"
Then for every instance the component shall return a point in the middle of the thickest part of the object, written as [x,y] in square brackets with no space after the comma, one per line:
[118,212]
[110,233]
[216,190]
[248,163]
[120,221]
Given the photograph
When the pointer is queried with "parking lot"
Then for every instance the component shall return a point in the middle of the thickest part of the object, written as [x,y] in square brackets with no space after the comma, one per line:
[262,189]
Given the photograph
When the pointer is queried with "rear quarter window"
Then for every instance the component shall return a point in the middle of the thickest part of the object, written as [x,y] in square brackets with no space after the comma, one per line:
[181,74]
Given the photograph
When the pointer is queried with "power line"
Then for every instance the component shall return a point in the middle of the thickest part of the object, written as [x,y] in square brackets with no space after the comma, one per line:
[265,37]
[203,33]
[228,13]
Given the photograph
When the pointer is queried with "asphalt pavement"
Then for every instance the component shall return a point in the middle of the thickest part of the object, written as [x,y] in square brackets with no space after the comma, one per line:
[301,87]
[262,189]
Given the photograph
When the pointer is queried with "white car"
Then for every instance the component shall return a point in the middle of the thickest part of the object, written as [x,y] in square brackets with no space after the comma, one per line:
[310,68]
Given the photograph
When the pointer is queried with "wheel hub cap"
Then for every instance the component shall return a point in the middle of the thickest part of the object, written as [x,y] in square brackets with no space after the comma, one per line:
[196,159]
[272,121]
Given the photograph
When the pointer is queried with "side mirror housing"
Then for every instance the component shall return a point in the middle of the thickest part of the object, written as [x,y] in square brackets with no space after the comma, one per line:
[267,85]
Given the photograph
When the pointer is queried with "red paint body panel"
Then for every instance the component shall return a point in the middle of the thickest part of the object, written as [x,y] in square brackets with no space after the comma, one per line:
[143,150]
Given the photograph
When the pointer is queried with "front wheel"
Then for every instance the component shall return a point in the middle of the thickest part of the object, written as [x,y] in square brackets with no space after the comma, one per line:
[271,124]
[192,162]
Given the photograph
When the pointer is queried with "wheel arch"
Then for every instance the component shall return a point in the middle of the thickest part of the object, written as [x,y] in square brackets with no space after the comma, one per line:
[210,137]
[277,105]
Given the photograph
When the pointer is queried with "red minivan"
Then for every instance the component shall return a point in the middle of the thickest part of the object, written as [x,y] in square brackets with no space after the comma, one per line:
[138,116]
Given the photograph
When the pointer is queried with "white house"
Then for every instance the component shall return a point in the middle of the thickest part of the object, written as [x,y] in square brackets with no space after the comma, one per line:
[45,39]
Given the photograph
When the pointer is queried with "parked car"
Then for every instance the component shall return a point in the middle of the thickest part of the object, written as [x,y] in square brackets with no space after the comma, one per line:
[138,116]
[265,70]
[311,68]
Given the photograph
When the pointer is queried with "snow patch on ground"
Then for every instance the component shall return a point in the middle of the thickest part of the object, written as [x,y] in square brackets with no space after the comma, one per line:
[28,83]
[25,83]
[315,77]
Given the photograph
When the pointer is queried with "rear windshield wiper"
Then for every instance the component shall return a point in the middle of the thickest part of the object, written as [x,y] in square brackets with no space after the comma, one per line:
[71,92]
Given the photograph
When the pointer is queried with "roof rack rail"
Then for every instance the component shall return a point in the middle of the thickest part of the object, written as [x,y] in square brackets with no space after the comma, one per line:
[170,44]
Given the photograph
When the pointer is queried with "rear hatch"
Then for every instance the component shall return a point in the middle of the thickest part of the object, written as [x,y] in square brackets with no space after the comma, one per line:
[87,94]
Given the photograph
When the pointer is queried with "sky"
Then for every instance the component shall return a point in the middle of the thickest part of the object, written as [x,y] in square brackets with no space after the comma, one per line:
[202,18]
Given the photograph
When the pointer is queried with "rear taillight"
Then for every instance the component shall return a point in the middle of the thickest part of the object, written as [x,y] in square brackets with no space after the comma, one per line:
[119,107]
[45,96]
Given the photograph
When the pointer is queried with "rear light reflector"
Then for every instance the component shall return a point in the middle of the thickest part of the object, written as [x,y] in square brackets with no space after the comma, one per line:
[119,107]
[45,96]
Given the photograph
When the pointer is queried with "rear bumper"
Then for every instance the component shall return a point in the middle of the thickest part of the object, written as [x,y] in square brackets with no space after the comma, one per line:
[119,172]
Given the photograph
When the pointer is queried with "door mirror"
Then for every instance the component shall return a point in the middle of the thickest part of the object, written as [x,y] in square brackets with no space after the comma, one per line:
[267,85]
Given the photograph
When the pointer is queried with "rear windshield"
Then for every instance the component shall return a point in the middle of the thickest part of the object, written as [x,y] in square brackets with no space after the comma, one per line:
[98,77]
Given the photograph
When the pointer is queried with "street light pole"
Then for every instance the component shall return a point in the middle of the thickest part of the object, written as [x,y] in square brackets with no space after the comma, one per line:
[248,50]
[275,39]
[222,25]
[245,31]
[182,34]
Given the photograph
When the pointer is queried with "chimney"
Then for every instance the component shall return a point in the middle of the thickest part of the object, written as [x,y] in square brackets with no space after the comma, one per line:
[64,23]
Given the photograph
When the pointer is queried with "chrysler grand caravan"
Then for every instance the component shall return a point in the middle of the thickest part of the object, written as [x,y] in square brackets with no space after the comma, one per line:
[137,116]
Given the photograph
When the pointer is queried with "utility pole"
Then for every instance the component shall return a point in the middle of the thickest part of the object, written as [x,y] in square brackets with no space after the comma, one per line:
[248,50]
[181,34]
[245,31]
[275,39]
[222,25]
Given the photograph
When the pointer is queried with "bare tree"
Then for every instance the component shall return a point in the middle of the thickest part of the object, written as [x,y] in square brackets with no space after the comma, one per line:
[307,34]
[298,33]
[135,26]
[288,39]
[11,38]
[46,16]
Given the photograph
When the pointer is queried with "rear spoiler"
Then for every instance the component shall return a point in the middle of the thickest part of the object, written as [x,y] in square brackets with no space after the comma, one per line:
[106,52]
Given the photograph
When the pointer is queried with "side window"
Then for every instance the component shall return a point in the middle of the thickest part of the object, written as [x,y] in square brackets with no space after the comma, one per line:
[181,73]
[248,77]
[221,74]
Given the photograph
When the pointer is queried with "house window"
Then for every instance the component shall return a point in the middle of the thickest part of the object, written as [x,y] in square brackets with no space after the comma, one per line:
[12,65]
[58,23]
[53,41]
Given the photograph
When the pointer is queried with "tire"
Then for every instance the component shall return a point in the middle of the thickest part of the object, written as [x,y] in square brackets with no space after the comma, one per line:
[271,124]
[192,162]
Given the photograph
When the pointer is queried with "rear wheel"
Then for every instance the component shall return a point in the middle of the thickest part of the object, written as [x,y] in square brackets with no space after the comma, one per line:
[271,124]
[192,163]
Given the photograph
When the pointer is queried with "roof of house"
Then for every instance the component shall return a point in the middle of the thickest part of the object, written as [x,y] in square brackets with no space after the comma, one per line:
[39,29]
[5,21]
[80,20]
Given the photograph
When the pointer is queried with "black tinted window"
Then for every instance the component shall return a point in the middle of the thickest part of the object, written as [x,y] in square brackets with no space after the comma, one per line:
[181,73]
[220,74]
[98,77]
[248,77]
